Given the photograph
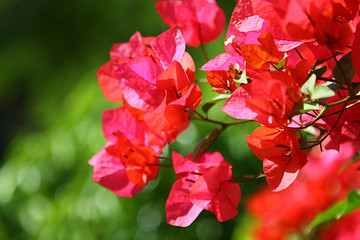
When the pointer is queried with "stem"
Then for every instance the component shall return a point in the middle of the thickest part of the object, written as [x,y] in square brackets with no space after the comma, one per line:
[348,98]
[201,80]
[347,107]
[326,107]
[206,119]
[312,121]
[273,65]
[204,52]
[297,51]
[327,134]
[165,158]
[160,165]
[326,79]
[223,128]
[247,178]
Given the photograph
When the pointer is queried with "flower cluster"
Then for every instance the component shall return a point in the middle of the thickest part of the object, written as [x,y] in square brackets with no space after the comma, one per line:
[292,209]
[293,66]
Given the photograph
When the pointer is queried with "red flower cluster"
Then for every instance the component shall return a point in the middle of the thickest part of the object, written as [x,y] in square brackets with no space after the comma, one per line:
[153,78]
[289,211]
[291,65]
[279,44]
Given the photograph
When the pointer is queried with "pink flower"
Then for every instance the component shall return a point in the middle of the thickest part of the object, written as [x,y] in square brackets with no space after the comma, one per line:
[132,72]
[203,184]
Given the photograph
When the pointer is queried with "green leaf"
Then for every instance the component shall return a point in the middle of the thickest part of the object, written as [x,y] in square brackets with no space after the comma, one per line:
[338,210]
[281,64]
[309,85]
[237,67]
[318,62]
[354,160]
[310,107]
[206,107]
[320,71]
[322,91]
[243,78]
[344,70]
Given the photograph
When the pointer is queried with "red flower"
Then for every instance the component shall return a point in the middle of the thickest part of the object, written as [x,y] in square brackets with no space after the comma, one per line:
[140,163]
[269,99]
[322,20]
[201,21]
[180,95]
[279,151]
[128,161]
[155,84]
[203,184]
[246,26]
[319,185]
[260,56]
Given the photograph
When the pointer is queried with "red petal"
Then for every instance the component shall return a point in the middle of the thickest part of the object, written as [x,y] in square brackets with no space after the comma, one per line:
[224,205]
[211,19]
[278,149]
[236,106]
[146,68]
[282,171]
[132,49]
[110,173]
[118,120]
[108,78]
[180,211]
[355,56]
[201,21]
[173,80]
[220,81]
[138,92]
[208,185]
[189,66]
[169,46]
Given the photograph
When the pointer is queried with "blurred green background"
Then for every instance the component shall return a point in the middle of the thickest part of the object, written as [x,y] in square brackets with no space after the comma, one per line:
[51,106]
